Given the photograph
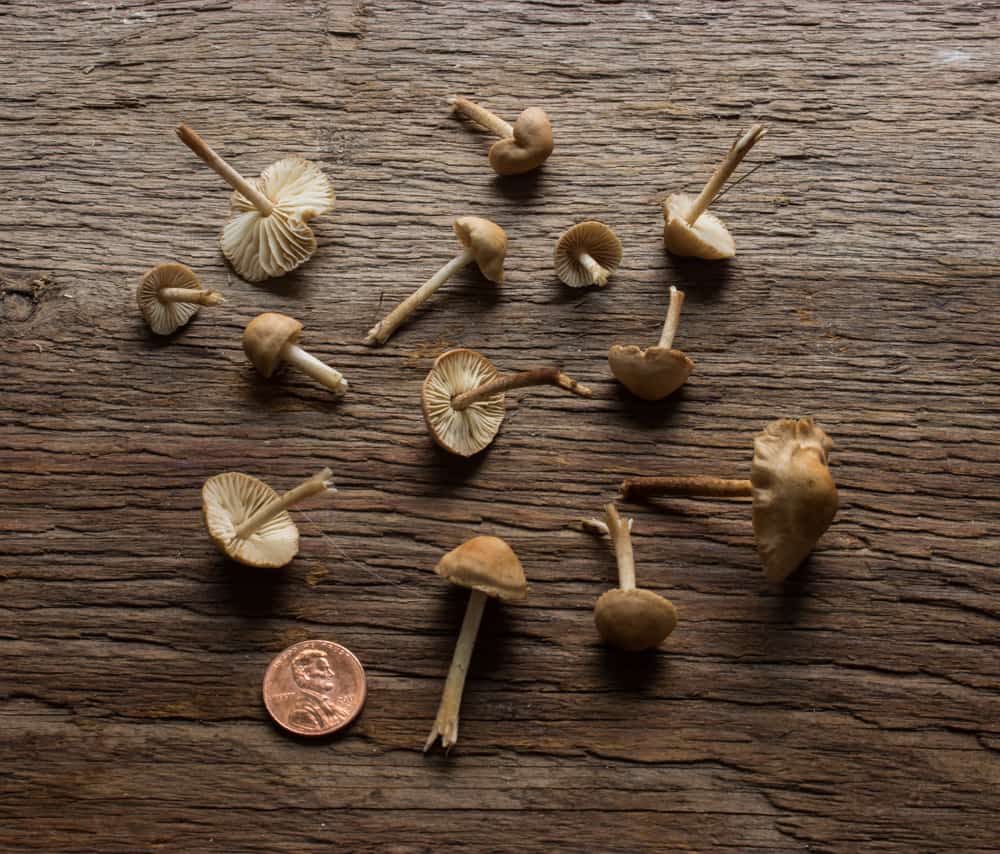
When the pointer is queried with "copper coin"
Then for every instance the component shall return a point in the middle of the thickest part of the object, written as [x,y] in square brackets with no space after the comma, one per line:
[314,688]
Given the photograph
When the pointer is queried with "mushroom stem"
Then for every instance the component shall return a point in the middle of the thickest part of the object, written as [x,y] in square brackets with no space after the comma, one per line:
[482,116]
[190,295]
[382,331]
[446,723]
[224,170]
[673,318]
[733,159]
[619,529]
[598,275]
[538,376]
[692,487]
[317,483]
[319,371]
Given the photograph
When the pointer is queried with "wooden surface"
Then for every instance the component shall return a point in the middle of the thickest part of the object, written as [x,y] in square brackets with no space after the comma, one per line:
[856,709]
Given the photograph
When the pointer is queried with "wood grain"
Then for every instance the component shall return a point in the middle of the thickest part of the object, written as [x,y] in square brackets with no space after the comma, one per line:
[856,709]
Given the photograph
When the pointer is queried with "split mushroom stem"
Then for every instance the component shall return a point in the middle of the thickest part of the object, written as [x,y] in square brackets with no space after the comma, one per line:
[692,487]
[733,159]
[189,295]
[538,376]
[309,364]
[317,483]
[618,528]
[482,116]
[673,318]
[235,180]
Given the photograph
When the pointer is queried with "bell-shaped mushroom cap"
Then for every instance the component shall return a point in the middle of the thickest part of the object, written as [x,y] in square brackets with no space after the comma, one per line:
[467,431]
[708,238]
[228,500]
[487,241]
[264,338]
[529,148]
[486,564]
[794,496]
[261,247]
[651,374]
[166,317]
[635,619]
[592,238]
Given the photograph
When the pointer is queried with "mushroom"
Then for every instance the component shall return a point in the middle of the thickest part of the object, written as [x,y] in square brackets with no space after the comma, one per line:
[629,617]
[794,496]
[463,398]
[272,338]
[483,241]
[246,519]
[488,567]
[659,371]
[523,147]
[587,254]
[169,295]
[267,234]
[689,229]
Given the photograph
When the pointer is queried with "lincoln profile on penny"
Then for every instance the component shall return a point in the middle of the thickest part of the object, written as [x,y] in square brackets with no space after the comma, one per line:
[315,706]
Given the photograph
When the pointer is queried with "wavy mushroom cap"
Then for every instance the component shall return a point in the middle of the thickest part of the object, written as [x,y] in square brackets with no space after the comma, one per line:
[708,238]
[486,564]
[635,619]
[262,247]
[264,338]
[794,496]
[463,432]
[592,238]
[653,373]
[487,241]
[228,500]
[166,317]
[529,148]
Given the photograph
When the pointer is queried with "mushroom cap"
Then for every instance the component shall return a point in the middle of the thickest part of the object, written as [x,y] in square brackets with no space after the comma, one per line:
[708,238]
[264,338]
[229,499]
[794,496]
[261,247]
[464,432]
[593,238]
[166,317]
[635,619]
[529,148]
[486,564]
[487,241]
[653,373]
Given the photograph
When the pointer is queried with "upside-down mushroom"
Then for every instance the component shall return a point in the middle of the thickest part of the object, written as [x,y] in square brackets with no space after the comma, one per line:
[272,338]
[169,295]
[523,146]
[587,254]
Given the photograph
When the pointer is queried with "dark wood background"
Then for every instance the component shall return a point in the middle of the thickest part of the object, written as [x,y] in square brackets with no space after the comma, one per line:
[855,709]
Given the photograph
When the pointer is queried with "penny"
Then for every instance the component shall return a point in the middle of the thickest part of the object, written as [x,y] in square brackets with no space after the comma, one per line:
[314,687]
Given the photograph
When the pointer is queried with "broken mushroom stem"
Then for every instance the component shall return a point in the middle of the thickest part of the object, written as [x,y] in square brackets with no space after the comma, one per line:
[733,159]
[482,116]
[673,318]
[537,376]
[620,532]
[189,295]
[691,487]
[319,482]
[235,180]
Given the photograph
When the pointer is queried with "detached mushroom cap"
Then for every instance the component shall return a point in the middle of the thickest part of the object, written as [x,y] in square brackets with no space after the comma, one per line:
[166,317]
[468,431]
[593,238]
[708,238]
[529,148]
[635,619]
[264,338]
[794,496]
[487,241]
[261,247]
[486,564]
[228,500]
[653,373]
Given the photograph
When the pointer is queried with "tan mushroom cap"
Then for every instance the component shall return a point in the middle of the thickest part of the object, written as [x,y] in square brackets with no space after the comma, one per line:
[166,317]
[261,247]
[487,241]
[708,238]
[794,496]
[635,619]
[486,564]
[264,338]
[464,432]
[228,500]
[653,373]
[593,238]
[529,148]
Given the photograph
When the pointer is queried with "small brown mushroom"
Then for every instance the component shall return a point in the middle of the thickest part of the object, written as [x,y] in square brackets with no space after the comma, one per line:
[523,147]
[794,496]
[463,398]
[659,371]
[268,235]
[587,254]
[483,241]
[169,295]
[488,567]
[629,617]
[246,519]
[689,229]
[272,338]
